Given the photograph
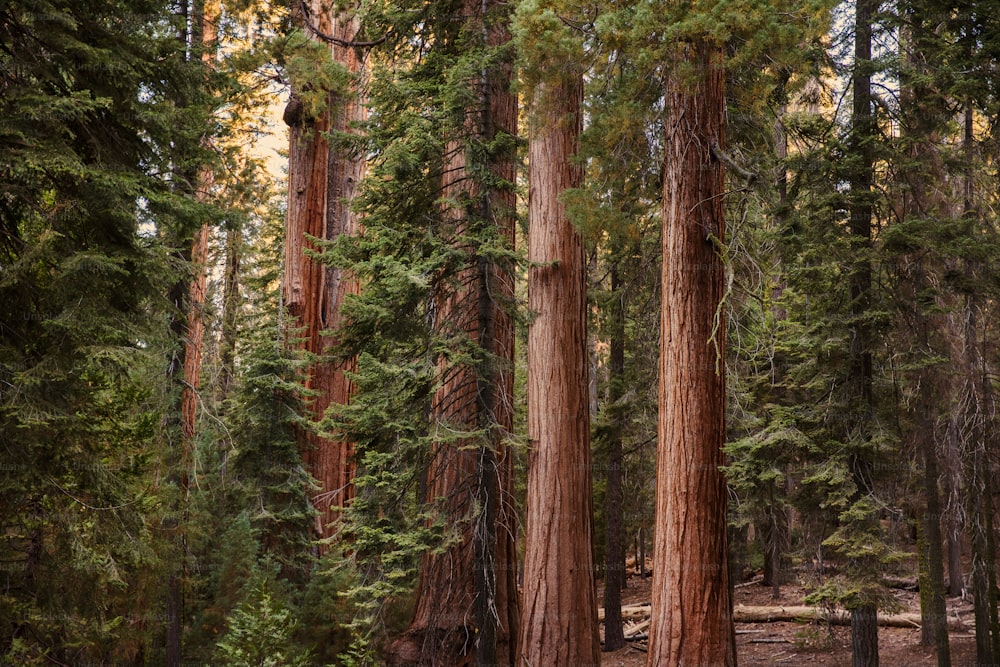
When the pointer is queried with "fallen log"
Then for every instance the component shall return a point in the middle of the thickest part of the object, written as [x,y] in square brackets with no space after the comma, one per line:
[629,612]
[746,614]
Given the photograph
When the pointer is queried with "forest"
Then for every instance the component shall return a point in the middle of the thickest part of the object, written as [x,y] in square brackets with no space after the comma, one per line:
[555,333]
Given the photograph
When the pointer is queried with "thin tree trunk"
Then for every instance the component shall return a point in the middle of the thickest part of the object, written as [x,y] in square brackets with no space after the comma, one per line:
[559,619]
[692,623]
[777,531]
[191,329]
[923,116]
[230,311]
[321,183]
[614,553]
[864,628]
[954,531]
[981,501]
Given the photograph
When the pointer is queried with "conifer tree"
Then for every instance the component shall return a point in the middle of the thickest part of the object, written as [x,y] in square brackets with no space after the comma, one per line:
[101,116]
[323,110]
[466,595]
[691,590]
[558,581]
[433,333]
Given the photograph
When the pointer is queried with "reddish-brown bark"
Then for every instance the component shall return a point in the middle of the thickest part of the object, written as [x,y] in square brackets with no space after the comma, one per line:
[466,610]
[559,618]
[207,14]
[692,620]
[321,183]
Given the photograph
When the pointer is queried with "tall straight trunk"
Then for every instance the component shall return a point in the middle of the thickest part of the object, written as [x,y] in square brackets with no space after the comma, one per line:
[923,115]
[559,618]
[230,311]
[777,527]
[977,459]
[692,595]
[980,511]
[934,622]
[864,625]
[321,183]
[497,294]
[614,552]
[466,606]
[190,300]
[954,530]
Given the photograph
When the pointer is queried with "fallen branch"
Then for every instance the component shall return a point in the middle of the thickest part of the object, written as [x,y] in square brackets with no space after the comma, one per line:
[634,630]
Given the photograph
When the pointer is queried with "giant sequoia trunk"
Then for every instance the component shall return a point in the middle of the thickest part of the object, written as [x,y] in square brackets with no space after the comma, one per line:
[466,609]
[692,611]
[559,619]
[321,183]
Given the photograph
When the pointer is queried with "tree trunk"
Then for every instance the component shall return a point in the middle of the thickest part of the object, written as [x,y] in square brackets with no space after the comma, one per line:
[692,624]
[614,552]
[777,529]
[864,636]
[864,628]
[466,609]
[776,537]
[189,299]
[321,184]
[923,116]
[230,312]
[951,489]
[980,499]
[559,619]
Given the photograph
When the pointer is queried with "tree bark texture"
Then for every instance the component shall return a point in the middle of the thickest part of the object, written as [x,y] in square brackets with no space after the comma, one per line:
[321,183]
[693,623]
[559,618]
[980,498]
[466,609]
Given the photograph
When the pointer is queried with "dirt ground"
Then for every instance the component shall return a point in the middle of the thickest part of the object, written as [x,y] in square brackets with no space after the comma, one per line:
[810,644]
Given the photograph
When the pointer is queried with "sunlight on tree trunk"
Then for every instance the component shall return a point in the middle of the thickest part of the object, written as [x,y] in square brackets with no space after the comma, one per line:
[321,183]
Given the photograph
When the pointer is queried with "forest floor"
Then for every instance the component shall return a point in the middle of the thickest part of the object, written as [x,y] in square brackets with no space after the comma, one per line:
[781,644]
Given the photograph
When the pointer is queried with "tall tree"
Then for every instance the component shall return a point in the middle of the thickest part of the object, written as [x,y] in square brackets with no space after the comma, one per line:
[558,575]
[466,607]
[323,172]
[102,120]
[692,615]
[925,223]
[864,610]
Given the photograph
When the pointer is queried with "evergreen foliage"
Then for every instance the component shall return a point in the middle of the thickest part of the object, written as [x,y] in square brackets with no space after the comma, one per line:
[109,119]
[95,126]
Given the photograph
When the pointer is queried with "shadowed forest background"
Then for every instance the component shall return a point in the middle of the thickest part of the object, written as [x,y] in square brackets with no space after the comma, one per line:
[537,299]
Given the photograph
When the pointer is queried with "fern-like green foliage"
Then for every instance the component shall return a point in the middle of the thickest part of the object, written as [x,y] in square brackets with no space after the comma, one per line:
[261,629]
